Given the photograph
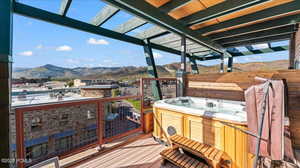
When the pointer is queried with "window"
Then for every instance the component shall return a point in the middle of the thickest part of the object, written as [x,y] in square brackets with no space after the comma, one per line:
[36,124]
[91,114]
[63,144]
[36,151]
[64,119]
[92,135]
[64,116]
[88,136]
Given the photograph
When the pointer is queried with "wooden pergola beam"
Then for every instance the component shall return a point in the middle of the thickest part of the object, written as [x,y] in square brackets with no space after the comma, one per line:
[220,9]
[271,24]
[264,33]
[259,40]
[267,13]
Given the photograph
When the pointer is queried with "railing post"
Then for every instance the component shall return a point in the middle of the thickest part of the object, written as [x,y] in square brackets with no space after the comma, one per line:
[20,138]
[152,69]
[5,78]
[100,123]
[142,102]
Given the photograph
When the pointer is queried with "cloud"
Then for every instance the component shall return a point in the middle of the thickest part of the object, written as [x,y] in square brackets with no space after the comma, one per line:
[72,61]
[157,55]
[94,41]
[26,53]
[107,61]
[29,23]
[64,48]
[88,59]
[40,46]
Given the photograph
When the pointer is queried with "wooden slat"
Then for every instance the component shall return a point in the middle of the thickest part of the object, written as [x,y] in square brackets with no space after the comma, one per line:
[211,154]
[106,13]
[169,38]
[240,13]
[130,25]
[181,160]
[152,31]
[141,152]
[192,7]
[188,9]
[157,3]
[244,80]
[64,7]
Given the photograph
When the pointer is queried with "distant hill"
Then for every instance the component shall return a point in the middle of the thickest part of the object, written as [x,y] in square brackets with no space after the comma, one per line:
[130,72]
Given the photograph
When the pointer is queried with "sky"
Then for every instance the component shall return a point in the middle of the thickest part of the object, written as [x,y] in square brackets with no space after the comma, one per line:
[37,43]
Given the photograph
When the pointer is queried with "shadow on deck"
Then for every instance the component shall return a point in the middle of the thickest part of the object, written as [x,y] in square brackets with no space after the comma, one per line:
[139,151]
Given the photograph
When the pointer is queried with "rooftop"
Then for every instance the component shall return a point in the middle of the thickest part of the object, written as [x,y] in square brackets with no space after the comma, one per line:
[100,87]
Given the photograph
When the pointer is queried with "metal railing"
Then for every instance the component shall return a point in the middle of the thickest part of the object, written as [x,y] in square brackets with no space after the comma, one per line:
[64,129]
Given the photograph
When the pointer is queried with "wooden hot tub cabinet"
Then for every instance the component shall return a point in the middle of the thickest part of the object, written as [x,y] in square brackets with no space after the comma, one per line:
[205,130]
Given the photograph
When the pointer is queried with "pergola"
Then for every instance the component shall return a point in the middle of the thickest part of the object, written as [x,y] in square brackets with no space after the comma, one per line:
[196,29]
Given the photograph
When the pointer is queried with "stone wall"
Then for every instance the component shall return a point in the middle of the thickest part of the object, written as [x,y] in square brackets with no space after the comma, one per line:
[75,121]
[95,93]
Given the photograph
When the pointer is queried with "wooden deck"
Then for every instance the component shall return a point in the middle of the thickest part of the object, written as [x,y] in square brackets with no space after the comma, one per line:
[143,152]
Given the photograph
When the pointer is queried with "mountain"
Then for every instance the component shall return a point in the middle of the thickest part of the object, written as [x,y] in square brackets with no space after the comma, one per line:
[130,72]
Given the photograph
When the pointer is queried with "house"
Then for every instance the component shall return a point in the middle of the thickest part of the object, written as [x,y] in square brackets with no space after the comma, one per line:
[91,81]
[97,90]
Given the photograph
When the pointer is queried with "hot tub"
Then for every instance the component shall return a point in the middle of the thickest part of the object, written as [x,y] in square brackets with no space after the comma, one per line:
[202,119]
[213,108]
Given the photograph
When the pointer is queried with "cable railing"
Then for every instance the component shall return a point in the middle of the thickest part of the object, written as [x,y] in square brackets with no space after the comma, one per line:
[66,128]
[153,89]
[63,129]
[166,86]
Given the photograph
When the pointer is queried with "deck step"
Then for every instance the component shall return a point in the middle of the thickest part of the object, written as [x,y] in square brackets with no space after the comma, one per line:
[181,160]
[214,157]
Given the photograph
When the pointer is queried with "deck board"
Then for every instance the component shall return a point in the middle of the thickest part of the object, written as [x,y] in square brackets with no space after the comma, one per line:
[142,153]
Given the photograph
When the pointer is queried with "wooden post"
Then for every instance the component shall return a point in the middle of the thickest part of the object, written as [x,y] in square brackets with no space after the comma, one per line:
[5,78]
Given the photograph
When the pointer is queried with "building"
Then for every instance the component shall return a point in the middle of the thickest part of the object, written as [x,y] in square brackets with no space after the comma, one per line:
[98,91]
[50,131]
[92,81]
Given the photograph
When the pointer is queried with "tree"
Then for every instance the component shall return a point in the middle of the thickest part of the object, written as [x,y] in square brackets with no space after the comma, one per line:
[70,83]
